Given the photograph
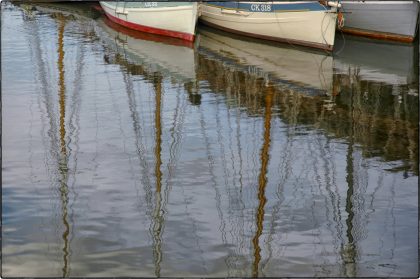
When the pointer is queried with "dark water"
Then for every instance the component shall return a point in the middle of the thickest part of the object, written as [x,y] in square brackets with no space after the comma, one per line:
[126,154]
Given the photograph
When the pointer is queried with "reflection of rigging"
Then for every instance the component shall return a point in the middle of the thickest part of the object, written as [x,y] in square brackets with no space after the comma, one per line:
[58,166]
[262,180]
[140,148]
[157,214]
[161,194]
[285,171]
[211,163]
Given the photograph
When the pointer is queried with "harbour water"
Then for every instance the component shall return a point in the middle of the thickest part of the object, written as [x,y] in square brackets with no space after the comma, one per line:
[129,154]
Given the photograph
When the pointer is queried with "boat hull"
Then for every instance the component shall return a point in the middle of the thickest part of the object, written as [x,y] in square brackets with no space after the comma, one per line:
[306,23]
[173,19]
[388,20]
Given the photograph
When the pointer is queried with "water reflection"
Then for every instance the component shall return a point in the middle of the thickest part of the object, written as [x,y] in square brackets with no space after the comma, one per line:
[383,94]
[381,87]
[170,56]
[63,165]
[262,181]
[350,249]
[158,212]
[288,68]
[366,57]
[226,157]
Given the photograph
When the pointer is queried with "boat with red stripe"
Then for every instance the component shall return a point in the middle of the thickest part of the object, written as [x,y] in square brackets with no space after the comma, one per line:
[173,19]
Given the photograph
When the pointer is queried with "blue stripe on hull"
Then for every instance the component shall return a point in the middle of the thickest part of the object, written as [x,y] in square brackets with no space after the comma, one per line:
[269,6]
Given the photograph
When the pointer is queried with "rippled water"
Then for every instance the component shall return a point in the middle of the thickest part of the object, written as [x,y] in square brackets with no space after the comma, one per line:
[127,154]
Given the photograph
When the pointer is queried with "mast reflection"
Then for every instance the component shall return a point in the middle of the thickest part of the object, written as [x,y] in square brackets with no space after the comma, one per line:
[157,213]
[63,158]
[262,180]
[349,250]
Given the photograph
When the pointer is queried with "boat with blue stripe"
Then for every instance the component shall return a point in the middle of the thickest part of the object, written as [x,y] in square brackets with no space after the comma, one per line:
[307,23]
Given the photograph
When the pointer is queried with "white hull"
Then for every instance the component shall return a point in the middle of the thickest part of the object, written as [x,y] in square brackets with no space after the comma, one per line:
[175,19]
[382,19]
[309,28]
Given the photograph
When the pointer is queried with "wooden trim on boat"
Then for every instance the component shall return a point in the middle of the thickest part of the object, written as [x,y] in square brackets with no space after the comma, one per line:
[378,35]
[153,30]
[290,41]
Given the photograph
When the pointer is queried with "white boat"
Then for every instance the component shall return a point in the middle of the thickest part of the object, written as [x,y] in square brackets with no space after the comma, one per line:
[288,68]
[393,20]
[173,19]
[307,23]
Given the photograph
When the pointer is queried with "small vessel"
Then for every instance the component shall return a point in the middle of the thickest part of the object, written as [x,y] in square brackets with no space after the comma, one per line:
[307,23]
[390,20]
[173,19]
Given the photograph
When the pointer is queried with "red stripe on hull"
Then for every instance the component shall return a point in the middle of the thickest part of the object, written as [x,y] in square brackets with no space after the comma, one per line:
[148,29]
[148,36]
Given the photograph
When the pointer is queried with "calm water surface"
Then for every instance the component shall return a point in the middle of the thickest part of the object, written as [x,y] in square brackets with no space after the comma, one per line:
[127,154]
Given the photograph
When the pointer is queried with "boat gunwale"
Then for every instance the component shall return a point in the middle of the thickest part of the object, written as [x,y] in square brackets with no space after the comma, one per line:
[150,9]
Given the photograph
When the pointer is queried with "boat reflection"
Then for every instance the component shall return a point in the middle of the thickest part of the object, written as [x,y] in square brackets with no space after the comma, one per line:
[290,68]
[379,82]
[78,12]
[378,61]
[393,108]
[312,88]
[169,56]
